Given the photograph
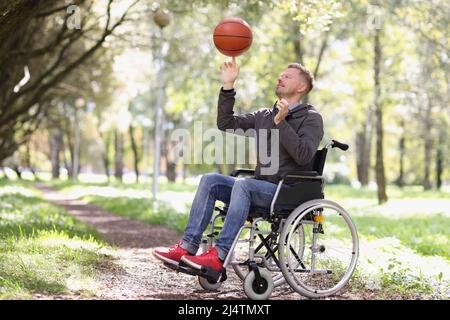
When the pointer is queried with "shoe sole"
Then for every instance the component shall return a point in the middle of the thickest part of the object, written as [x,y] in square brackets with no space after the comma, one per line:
[191,264]
[204,272]
[165,259]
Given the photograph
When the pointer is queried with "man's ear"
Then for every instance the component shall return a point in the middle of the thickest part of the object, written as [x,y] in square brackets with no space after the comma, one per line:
[301,87]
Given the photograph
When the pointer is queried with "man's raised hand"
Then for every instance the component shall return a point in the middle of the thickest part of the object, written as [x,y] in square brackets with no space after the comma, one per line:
[230,72]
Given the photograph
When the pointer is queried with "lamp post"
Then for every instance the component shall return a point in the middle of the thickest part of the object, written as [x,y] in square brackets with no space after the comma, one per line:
[162,19]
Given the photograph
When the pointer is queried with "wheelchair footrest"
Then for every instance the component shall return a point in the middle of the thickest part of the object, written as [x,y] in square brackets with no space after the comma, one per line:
[182,268]
[213,275]
[207,273]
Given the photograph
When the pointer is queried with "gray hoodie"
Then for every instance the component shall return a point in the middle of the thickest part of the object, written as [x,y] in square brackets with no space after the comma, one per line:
[299,134]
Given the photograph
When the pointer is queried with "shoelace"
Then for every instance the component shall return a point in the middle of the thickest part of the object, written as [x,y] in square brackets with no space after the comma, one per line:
[207,252]
[175,247]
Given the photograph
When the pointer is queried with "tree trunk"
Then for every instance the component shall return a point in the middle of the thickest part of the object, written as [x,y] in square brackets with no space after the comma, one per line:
[17,170]
[183,171]
[166,146]
[77,148]
[55,150]
[119,148]
[105,157]
[134,148]
[298,38]
[363,149]
[69,164]
[145,149]
[401,146]
[171,172]
[379,166]
[299,52]
[298,46]
[171,166]
[427,147]
[439,169]
[28,160]
[219,168]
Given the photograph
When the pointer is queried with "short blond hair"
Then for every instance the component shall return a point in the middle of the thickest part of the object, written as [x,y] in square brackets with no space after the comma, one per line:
[305,73]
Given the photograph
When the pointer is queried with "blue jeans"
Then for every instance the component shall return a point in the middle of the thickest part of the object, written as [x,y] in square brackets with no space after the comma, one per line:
[239,194]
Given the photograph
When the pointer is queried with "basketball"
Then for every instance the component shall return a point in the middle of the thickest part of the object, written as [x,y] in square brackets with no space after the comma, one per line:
[233,36]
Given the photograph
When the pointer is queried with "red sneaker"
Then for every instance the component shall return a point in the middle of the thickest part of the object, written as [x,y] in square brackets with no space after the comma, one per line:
[171,255]
[208,260]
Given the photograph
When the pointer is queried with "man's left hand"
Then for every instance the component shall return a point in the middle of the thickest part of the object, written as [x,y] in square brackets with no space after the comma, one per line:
[283,110]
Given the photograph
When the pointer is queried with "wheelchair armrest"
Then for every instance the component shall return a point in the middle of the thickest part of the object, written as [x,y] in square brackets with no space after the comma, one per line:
[302,175]
[242,171]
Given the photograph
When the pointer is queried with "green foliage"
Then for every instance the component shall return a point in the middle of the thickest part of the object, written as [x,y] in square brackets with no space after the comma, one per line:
[42,250]
[312,15]
[402,278]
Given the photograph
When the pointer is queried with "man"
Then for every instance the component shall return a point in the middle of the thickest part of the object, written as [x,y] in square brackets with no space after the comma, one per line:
[300,132]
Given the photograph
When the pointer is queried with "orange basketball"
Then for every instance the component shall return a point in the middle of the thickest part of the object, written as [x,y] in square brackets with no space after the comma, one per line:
[232,36]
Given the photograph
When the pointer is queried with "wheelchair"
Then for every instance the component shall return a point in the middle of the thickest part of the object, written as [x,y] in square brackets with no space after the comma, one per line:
[305,240]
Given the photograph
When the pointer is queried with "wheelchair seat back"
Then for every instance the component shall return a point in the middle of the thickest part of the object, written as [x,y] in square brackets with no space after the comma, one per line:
[318,162]
[296,191]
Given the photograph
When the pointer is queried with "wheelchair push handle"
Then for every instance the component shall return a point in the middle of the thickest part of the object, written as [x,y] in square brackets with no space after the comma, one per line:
[337,144]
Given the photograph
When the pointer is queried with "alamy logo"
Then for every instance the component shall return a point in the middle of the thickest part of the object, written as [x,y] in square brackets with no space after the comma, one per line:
[74,19]
[230,148]
[374,17]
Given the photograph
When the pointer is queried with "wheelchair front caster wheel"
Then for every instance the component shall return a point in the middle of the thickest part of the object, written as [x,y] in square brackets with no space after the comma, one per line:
[258,290]
[208,285]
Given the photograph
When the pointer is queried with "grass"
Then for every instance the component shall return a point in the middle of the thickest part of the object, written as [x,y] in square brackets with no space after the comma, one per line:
[428,236]
[43,250]
[394,192]
[163,187]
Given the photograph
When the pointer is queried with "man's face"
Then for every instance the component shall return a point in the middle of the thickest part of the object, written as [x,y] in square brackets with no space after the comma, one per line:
[290,83]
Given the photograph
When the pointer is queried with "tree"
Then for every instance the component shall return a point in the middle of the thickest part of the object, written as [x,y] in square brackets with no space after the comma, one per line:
[379,165]
[429,21]
[118,154]
[21,110]
[136,153]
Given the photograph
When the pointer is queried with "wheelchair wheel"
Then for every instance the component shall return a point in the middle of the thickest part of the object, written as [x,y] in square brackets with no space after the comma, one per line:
[208,285]
[325,261]
[258,290]
[241,253]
